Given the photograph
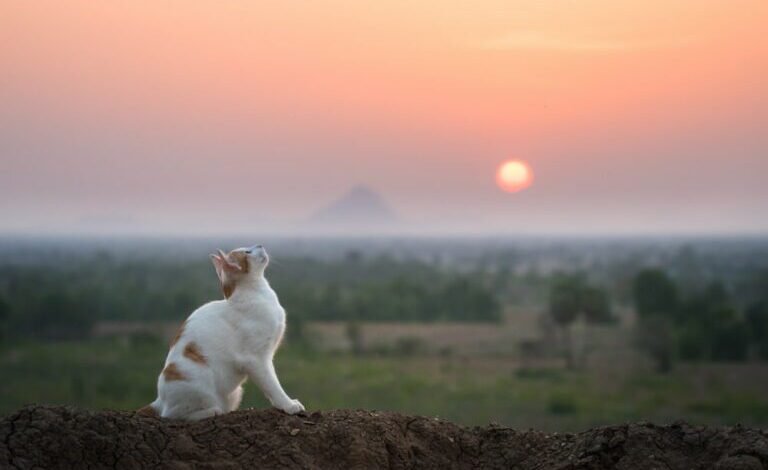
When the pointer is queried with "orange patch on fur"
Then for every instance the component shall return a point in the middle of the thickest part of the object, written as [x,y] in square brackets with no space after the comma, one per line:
[192,352]
[171,372]
[147,411]
[179,332]
[228,288]
[241,258]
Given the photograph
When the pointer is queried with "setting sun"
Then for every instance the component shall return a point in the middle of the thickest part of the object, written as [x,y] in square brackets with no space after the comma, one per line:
[514,175]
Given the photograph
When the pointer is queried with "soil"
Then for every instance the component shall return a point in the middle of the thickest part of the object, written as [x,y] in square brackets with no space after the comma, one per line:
[63,437]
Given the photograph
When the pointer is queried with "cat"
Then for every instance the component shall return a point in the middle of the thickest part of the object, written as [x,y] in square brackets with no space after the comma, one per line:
[225,342]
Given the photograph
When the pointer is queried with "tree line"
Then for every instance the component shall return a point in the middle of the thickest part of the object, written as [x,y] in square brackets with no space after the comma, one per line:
[705,324]
[672,323]
[66,300]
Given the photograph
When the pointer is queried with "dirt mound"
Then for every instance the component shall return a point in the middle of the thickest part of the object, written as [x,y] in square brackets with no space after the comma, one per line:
[62,437]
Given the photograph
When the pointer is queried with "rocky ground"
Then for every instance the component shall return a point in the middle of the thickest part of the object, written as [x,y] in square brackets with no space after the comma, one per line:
[63,437]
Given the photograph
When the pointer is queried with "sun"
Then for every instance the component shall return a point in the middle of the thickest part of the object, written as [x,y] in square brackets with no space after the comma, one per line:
[514,175]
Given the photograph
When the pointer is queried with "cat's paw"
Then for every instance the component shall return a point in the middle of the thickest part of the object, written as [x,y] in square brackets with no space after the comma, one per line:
[292,407]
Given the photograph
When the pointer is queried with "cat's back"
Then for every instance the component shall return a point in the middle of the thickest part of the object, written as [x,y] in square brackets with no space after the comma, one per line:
[209,311]
[210,323]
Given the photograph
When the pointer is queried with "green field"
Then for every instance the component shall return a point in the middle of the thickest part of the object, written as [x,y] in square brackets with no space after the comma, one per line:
[120,373]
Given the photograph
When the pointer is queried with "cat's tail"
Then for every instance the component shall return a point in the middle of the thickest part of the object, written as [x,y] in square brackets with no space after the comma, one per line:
[152,410]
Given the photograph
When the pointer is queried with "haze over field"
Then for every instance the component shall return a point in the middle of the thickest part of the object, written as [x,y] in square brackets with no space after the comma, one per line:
[217,117]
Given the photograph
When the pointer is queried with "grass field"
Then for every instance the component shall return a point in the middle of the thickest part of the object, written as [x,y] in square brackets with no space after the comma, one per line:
[121,373]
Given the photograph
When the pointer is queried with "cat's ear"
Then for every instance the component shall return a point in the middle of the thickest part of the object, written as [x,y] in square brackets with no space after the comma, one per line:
[223,264]
[218,264]
[226,270]
[222,261]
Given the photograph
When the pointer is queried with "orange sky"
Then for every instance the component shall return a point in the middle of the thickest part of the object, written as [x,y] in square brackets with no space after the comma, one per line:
[637,116]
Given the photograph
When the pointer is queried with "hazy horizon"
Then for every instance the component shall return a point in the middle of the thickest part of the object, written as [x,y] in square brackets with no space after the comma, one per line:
[145,118]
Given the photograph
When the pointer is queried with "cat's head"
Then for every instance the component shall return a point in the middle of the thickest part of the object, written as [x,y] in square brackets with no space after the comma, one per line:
[238,266]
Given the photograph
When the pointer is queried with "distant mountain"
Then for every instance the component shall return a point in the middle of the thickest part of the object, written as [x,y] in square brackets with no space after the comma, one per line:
[360,207]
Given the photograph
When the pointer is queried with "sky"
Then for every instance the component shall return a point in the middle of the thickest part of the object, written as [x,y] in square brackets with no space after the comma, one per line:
[226,116]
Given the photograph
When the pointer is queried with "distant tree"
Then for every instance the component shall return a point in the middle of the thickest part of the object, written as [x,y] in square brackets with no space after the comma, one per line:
[692,343]
[570,297]
[564,307]
[655,336]
[654,293]
[295,331]
[730,338]
[565,299]
[656,303]
[463,299]
[330,305]
[595,305]
[60,314]
[710,328]
[704,307]
[716,295]
[183,303]
[757,323]
[5,309]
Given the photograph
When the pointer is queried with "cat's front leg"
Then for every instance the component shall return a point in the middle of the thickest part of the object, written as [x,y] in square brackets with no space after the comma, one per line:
[262,372]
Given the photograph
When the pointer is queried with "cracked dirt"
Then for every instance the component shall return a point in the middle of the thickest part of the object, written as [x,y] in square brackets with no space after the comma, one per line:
[64,437]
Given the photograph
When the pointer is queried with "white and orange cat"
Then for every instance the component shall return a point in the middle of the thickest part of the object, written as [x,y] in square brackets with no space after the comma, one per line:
[225,342]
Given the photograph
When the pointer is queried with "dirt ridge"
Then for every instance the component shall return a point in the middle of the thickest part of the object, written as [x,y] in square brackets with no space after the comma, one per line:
[41,436]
